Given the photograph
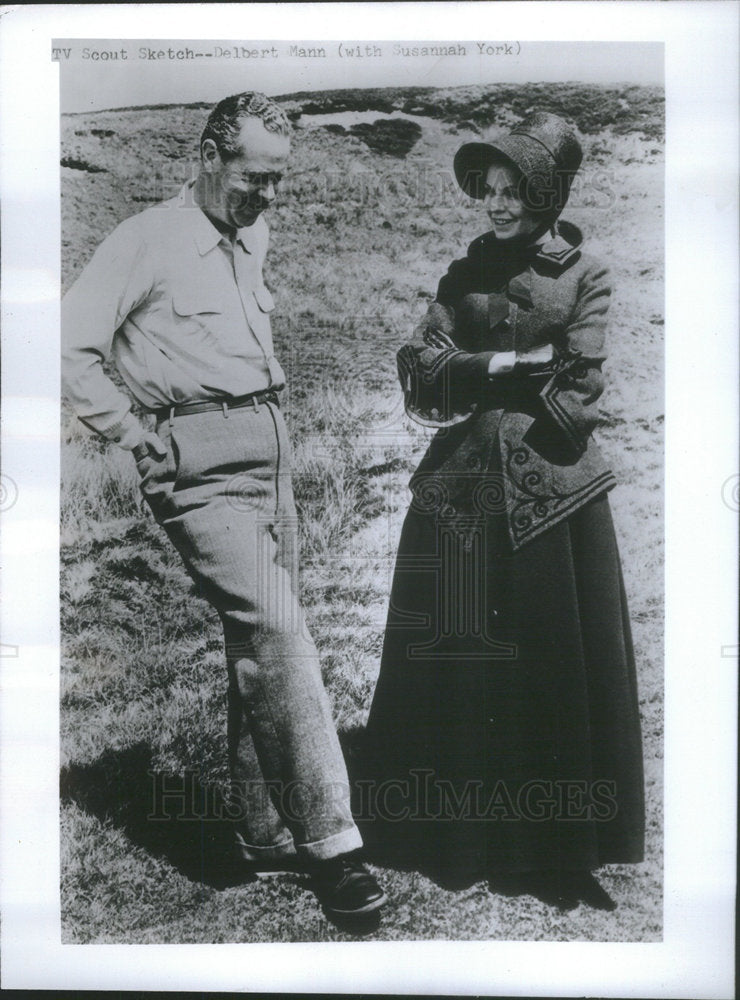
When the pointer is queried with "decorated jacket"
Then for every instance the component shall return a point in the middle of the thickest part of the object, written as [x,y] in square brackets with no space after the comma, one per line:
[517,443]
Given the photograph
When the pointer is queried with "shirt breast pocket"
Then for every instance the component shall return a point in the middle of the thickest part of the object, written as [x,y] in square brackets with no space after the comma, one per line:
[195,303]
[197,317]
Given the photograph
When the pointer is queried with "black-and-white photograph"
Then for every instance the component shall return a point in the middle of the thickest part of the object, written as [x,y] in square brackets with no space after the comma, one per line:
[362,498]
[363,494]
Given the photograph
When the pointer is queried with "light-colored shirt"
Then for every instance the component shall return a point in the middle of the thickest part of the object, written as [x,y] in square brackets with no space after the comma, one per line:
[182,311]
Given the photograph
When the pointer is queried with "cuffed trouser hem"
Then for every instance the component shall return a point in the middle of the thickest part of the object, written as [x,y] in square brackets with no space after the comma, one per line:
[271,852]
[331,847]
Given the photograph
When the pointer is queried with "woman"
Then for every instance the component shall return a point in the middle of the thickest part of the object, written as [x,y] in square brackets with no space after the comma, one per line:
[504,732]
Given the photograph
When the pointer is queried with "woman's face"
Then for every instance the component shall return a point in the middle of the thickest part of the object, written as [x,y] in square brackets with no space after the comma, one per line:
[508,215]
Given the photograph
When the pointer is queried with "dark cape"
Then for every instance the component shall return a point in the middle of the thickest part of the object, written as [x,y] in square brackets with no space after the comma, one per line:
[504,733]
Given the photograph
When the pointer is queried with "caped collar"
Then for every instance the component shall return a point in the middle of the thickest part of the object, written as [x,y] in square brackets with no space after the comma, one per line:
[564,244]
[205,234]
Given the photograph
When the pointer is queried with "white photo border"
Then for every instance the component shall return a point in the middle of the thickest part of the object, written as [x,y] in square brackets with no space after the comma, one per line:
[696,956]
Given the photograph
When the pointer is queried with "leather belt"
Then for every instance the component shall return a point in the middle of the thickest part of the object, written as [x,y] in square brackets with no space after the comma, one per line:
[205,405]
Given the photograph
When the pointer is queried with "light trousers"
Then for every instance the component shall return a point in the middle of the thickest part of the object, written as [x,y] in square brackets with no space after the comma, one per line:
[224,496]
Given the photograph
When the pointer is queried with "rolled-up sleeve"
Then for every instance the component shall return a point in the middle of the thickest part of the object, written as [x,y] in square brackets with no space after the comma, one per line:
[117,279]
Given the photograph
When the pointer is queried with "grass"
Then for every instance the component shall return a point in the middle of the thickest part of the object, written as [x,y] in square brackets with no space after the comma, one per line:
[359,242]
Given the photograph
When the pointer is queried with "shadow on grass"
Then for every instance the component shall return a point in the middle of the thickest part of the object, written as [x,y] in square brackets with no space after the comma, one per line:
[178,818]
[185,822]
[174,817]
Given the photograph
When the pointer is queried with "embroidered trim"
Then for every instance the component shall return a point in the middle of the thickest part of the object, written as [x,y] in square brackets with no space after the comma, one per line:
[422,397]
[599,485]
[534,507]
[439,361]
[572,363]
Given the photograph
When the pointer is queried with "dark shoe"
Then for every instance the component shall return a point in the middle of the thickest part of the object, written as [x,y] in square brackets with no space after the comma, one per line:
[345,887]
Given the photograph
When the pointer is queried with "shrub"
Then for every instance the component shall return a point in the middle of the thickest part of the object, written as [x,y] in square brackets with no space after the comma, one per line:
[395,137]
[74,164]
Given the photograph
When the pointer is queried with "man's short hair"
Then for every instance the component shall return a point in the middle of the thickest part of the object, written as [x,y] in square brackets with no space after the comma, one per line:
[225,121]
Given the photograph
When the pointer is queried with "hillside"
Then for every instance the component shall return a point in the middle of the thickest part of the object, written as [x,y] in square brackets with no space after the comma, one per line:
[625,108]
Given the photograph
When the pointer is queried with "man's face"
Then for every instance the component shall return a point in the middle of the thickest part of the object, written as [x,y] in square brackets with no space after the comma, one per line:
[241,188]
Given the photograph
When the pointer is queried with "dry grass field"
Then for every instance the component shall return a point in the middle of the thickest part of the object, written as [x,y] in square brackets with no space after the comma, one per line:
[367,222]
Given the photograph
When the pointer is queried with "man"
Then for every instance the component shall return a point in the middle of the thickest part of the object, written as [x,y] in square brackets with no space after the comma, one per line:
[176,297]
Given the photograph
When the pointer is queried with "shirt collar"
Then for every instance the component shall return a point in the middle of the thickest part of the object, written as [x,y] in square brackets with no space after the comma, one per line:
[205,233]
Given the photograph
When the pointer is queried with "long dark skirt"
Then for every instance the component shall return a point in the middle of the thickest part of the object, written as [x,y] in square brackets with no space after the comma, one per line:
[504,734]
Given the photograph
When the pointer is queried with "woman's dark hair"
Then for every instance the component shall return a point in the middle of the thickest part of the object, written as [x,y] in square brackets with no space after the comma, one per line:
[501,162]
[225,121]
